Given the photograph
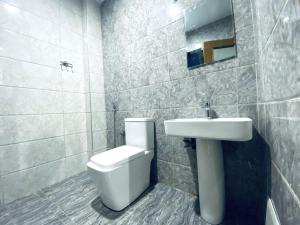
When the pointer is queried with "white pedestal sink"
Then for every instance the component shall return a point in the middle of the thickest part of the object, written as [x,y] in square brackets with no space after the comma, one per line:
[209,133]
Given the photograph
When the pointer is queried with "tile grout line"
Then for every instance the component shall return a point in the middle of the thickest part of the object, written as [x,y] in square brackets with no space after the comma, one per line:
[274,27]
[44,163]
[287,184]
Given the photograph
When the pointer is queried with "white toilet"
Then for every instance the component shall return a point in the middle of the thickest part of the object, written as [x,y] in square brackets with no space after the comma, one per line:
[122,174]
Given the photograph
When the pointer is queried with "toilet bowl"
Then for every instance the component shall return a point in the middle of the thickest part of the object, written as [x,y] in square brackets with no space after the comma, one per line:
[122,174]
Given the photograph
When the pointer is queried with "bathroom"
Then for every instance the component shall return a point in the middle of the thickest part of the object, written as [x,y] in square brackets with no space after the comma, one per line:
[76,74]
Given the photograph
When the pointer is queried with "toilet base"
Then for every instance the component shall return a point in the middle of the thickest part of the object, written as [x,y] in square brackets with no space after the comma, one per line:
[120,186]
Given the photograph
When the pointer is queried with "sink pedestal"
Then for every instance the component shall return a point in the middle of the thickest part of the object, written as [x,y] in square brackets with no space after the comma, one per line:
[209,133]
[211,180]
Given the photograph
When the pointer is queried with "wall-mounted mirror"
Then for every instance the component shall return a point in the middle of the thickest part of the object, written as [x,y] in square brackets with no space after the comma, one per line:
[210,34]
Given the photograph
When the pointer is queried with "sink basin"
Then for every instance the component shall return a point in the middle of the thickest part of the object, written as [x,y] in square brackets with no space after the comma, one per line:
[230,129]
[208,134]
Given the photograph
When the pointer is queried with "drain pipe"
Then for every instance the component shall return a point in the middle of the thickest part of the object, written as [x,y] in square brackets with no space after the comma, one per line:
[115,113]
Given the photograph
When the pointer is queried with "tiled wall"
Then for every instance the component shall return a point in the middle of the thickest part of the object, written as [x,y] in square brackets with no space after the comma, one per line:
[45,119]
[146,75]
[278,68]
[94,68]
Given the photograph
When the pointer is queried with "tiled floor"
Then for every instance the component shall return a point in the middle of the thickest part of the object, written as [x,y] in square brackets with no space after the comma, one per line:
[74,202]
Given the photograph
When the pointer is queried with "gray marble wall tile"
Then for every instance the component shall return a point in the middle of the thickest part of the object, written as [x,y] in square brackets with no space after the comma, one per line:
[224,99]
[71,40]
[30,127]
[159,116]
[176,36]
[287,206]
[246,85]
[75,102]
[293,108]
[278,80]
[284,156]
[1,194]
[33,42]
[124,99]
[74,82]
[23,74]
[162,93]
[246,52]
[22,183]
[141,50]
[110,99]
[222,87]
[110,139]
[165,172]
[48,10]
[203,91]
[98,102]
[95,64]
[140,72]
[249,111]
[185,179]
[94,46]
[29,101]
[77,143]
[292,153]
[69,19]
[25,23]
[99,140]
[261,113]
[226,110]
[94,19]
[285,40]
[196,112]
[122,79]
[267,12]
[159,41]
[242,13]
[184,154]
[245,33]
[109,121]
[164,148]
[76,164]
[100,120]
[295,174]
[158,18]
[220,66]
[183,93]
[177,64]
[76,123]
[159,70]
[272,131]
[259,83]
[140,97]
[74,6]
[97,83]
[29,154]
[13,46]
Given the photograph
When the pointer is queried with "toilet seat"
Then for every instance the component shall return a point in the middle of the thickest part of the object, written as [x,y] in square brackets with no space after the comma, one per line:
[116,157]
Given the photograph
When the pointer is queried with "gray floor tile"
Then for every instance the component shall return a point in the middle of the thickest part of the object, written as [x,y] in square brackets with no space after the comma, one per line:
[75,201]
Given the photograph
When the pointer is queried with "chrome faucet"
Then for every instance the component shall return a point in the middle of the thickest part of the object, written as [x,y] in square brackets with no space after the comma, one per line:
[207,110]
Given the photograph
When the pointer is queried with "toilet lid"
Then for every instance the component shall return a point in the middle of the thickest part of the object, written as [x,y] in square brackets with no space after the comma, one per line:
[117,156]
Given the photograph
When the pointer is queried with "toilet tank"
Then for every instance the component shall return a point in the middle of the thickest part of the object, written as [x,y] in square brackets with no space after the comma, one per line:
[140,132]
